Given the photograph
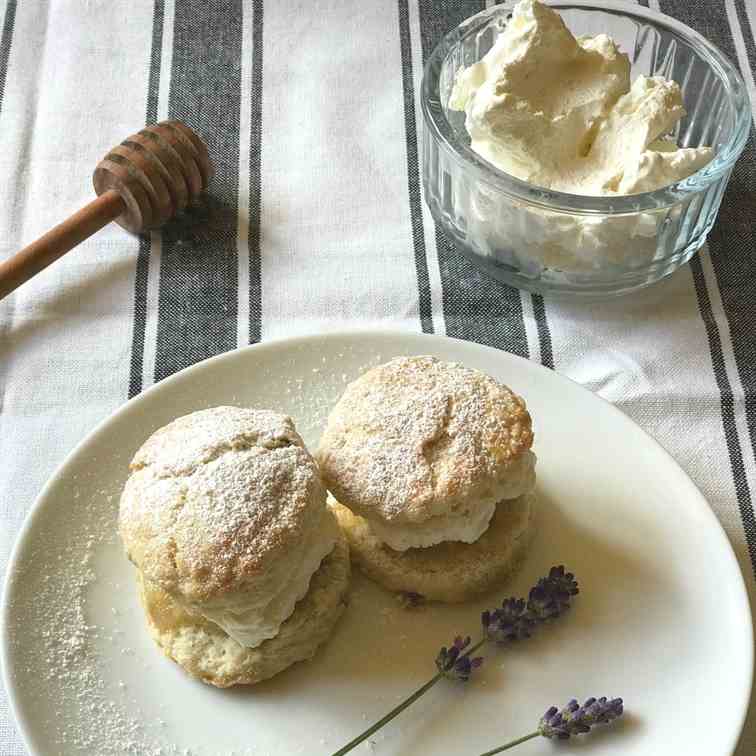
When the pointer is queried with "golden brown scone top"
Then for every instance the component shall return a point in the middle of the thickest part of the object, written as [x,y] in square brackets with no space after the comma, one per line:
[418,437]
[215,497]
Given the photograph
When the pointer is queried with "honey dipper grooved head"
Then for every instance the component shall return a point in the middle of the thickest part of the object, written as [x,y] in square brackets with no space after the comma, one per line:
[157,172]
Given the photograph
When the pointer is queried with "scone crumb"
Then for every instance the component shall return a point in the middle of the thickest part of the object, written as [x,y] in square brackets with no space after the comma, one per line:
[410,599]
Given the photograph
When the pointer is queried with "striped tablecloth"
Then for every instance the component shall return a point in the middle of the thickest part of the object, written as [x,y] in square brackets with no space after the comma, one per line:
[311,111]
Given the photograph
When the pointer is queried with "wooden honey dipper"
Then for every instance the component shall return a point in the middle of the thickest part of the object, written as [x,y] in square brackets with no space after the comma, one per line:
[141,184]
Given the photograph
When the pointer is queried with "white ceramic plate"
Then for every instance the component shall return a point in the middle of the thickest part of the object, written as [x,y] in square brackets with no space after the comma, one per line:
[662,619]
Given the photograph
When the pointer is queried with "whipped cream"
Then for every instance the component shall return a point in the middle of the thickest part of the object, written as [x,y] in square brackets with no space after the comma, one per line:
[255,616]
[559,112]
[466,526]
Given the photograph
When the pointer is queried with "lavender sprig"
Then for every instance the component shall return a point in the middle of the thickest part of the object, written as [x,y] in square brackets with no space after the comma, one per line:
[551,596]
[514,620]
[509,623]
[455,667]
[573,719]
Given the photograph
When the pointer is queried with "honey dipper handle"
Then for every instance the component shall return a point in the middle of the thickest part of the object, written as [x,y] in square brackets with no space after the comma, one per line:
[59,240]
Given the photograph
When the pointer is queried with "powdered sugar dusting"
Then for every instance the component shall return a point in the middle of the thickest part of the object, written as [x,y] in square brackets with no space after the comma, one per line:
[66,649]
[95,684]
[417,437]
[200,437]
[68,667]
[311,399]
[218,497]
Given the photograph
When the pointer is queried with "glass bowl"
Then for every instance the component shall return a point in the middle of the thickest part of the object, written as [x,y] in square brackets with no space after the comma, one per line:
[554,242]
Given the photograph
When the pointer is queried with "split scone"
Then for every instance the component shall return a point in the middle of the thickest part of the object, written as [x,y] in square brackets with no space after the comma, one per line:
[431,466]
[242,568]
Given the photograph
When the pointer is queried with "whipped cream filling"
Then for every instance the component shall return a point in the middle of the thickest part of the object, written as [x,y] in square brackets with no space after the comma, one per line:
[559,112]
[253,616]
[466,526]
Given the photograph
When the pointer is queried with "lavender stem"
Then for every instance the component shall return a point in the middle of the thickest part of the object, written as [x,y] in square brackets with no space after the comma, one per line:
[511,744]
[393,713]
[475,647]
[514,620]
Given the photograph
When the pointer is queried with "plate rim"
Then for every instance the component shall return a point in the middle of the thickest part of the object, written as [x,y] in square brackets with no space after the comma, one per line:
[38,504]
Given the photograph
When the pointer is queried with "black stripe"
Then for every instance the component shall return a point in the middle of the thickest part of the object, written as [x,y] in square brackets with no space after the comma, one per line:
[476,307]
[143,258]
[198,303]
[728,408]
[5,45]
[413,172]
[255,176]
[731,243]
[544,334]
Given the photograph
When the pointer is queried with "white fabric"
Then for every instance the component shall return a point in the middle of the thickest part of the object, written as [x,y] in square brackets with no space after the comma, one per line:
[337,244]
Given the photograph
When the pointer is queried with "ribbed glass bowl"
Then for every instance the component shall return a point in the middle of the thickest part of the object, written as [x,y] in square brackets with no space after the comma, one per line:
[553,242]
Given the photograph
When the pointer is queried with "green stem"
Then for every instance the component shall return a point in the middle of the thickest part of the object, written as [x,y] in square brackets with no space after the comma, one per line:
[511,744]
[400,708]
[393,713]
[475,647]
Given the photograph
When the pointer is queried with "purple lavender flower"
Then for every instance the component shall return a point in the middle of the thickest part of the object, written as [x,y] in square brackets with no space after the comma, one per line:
[574,719]
[509,623]
[453,665]
[551,595]
[516,618]
[571,720]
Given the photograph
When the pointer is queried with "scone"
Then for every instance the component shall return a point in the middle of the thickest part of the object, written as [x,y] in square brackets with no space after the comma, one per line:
[428,456]
[452,571]
[224,515]
[207,652]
